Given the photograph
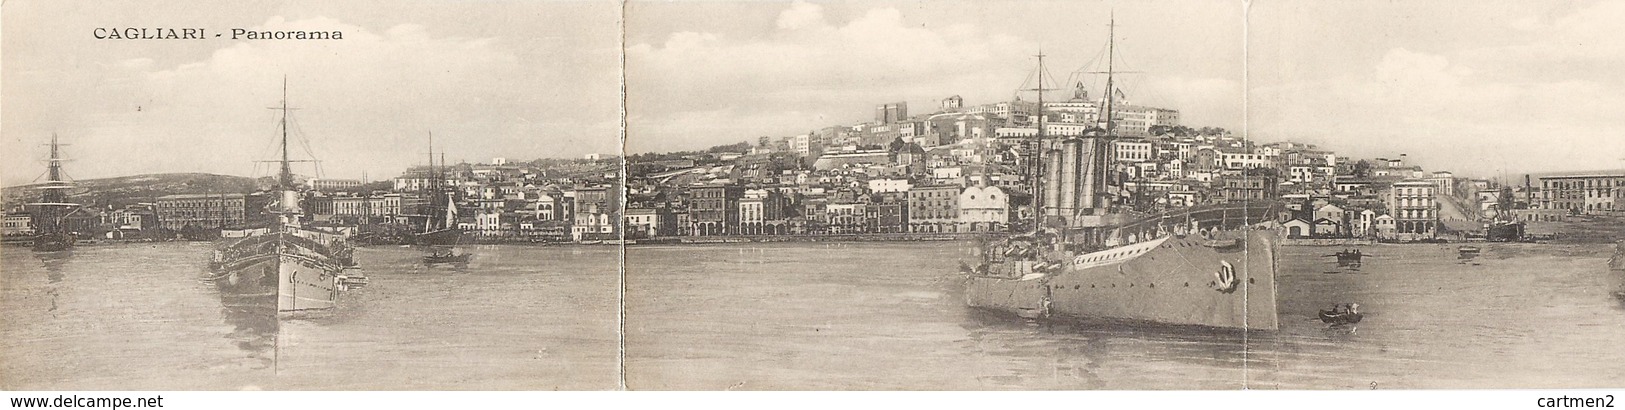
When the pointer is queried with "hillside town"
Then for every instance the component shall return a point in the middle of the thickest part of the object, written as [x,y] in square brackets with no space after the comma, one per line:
[960,169]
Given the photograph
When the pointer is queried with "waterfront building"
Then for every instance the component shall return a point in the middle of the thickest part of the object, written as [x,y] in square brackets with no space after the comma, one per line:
[763,212]
[847,218]
[198,211]
[1384,226]
[1333,214]
[933,208]
[1590,194]
[133,218]
[1415,210]
[18,224]
[649,222]
[889,212]
[1297,228]
[593,226]
[386,205]
[495,223]
[984,208]
[330,184]
[714,209]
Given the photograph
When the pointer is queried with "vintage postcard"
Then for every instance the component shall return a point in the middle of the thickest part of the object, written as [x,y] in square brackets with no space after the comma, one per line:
[808,195]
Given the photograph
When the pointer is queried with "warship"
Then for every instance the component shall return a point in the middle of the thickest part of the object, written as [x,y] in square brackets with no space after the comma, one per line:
[1087,254]
[282,266]
[50,213]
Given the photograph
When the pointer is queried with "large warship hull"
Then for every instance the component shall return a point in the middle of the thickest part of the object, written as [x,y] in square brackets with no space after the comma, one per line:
[1174,280]
[284,272]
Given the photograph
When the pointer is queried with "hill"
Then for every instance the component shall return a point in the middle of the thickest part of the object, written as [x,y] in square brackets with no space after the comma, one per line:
[118,191]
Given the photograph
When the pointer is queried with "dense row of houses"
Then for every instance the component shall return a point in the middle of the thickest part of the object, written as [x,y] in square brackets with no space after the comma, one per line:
[959,169]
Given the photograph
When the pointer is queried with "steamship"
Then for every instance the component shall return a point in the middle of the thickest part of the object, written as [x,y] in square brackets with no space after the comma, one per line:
[1087,254]
[282,266]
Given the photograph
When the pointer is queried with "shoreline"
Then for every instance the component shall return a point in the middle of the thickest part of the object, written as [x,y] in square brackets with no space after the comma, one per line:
[866,237]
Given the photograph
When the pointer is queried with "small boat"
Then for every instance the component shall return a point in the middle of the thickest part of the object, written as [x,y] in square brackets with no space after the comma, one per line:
[446,257]
[1468,251]
[1342,314]
[1349,257]
[352,280]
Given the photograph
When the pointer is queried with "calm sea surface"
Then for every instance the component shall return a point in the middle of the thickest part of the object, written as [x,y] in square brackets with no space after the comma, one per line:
[892,316]
[136,317]
[795,316]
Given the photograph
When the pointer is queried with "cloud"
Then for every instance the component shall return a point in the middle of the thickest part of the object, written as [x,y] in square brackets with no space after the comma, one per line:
[747,87]
[818,66]
[1446,112]
[366,102]
[800,15]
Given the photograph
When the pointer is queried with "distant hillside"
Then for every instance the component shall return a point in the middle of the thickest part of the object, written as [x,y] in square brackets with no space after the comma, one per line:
[118,191]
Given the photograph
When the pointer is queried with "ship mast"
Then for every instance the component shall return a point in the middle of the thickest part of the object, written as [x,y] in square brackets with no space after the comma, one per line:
[54,183]
[429,225]
[1038,163]
[1111,57]
[285,177]
[288,203]
[49,217]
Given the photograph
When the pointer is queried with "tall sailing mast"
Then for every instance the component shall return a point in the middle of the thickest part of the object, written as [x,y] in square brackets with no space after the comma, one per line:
[285,177]
[429,224]
[1037,167]
[288,201]
[1111,58]
[55,185]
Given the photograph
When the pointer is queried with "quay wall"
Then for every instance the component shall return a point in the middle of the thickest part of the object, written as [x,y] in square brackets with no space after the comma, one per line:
[1326,242]
[870,237]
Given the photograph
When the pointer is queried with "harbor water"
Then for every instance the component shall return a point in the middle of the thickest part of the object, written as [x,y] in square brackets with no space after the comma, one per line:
[801,316]
[136,317]
[892,316]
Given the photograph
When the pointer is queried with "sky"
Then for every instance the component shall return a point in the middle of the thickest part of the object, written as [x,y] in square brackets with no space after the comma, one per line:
[726,72]
[1486,89]
[519,79]
[1482,88]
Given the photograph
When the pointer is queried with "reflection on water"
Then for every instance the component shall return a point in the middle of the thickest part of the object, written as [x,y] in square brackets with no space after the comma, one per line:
[794,316]
[892,316]
[52,263]
[142,317]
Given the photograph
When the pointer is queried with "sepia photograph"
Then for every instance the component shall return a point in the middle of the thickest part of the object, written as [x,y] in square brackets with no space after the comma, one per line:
[1123,196]
[310,196]
[1162,197]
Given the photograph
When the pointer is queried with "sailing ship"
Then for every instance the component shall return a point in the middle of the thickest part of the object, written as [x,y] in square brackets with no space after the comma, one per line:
[440,227]
[1084,256]
[50,213]
[283,266]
